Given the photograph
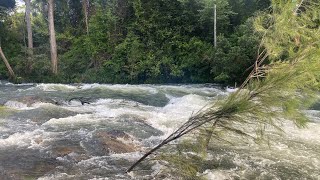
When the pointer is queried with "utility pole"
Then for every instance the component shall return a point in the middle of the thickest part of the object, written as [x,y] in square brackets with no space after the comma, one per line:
[215,26]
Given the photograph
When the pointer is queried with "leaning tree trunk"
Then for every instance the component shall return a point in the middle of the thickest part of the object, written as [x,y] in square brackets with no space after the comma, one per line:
[11,73]
[52,33]
[30,39]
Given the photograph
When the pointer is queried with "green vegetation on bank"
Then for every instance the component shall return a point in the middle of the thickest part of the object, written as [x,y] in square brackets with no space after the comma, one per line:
[134,41]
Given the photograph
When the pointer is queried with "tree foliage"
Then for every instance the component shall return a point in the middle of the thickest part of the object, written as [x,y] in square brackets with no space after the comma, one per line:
[138,41]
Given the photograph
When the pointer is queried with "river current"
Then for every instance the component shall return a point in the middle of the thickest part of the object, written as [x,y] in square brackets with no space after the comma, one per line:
[96,131]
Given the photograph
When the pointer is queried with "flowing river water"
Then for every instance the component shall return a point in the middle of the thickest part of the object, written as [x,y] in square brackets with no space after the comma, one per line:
[93,131]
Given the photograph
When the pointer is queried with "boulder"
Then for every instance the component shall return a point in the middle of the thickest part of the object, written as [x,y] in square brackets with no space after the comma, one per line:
[112,144]
[105,142]
[42,114]
[29,100]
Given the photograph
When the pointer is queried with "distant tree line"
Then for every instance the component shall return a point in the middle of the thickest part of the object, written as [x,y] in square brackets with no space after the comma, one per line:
[130,41]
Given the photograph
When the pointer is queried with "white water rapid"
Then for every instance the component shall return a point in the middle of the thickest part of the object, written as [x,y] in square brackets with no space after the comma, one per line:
[93,131]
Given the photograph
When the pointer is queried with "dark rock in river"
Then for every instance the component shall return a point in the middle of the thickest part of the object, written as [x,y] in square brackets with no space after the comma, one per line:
[29,100]
[63,147]
[119,134]
[113,145]
[105,142]
[42,114]
[137,126]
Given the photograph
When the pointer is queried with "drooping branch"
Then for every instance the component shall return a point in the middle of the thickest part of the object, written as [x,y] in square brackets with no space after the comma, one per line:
[204,116]
[210,114]
[194,122]
[256,67]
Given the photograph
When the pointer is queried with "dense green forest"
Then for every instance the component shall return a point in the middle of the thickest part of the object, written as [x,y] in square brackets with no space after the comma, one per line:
[271,48]
[130,41]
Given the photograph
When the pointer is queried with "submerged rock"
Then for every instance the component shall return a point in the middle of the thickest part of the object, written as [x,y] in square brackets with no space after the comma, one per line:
[42,114]
[29,100]
[112,144]
[119,134]
[107,142]
[137,126]
[63,147]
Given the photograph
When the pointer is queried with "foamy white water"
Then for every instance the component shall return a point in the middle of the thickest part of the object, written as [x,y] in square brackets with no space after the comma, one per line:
[94,131]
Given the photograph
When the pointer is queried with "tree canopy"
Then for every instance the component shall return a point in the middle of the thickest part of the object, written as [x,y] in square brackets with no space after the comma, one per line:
[136,41]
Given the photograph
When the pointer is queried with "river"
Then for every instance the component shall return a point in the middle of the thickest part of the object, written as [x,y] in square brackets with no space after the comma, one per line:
[96,131]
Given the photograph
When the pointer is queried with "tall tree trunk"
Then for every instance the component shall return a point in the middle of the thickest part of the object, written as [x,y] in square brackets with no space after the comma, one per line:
[30,39]
[215,25]
[28,21]
[52,33]
[11,73]
[85,6]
